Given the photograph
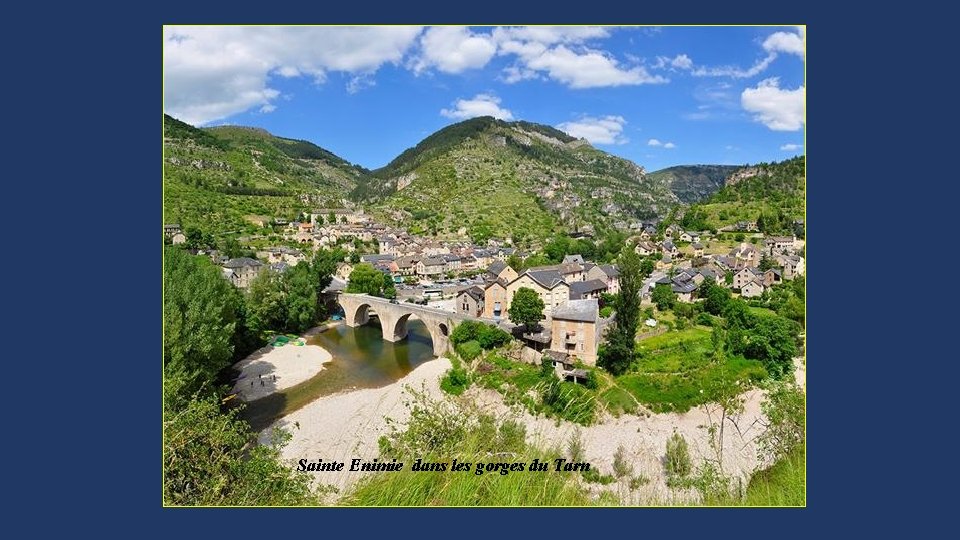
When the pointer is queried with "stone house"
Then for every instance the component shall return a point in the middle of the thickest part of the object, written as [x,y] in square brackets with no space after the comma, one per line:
[608,274]
[573,329]
[746,275]
[645,247]
[495,302]
[592,288]
[241,271]
[549,284]
[470,301]
[670,249]
[697,249]
[452,262]
[431,266]
[502,271]
[752,289]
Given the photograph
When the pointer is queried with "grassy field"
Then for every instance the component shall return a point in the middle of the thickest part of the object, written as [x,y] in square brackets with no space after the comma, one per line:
[783,484]
[677,371]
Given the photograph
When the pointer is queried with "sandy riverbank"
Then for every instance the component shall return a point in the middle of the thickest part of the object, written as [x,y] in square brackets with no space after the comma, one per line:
[289,365]
[347,425]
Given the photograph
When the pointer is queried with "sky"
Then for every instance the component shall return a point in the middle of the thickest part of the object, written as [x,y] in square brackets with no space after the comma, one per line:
[659,96]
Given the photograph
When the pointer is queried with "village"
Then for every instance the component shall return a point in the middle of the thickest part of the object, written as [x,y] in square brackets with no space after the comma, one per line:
[478,281]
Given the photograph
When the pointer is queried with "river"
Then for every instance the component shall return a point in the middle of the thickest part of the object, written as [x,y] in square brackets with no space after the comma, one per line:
[361,359]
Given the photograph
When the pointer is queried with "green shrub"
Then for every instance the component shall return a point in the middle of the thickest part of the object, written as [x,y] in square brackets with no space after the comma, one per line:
[677,458]
[621,467]
[469,350]
[575,449]
[456,380]
[593,476]
[705,319]
[491,337]
[638,480]
[606,311]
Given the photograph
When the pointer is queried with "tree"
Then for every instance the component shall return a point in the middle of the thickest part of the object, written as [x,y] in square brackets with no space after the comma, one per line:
[266,303]
[715,297]
[766,263]
[300,286]
[206,459]
[618,353]
[365,279]
[319,219]
[627,302]
[199,319]
[785,420]
[331,218]
[647,266]
[526,308]
[663,296]
[389,289]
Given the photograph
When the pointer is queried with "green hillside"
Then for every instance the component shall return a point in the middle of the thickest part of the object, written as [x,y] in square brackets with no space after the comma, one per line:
[518,180]
[694,183]
[217,177]
[777,191]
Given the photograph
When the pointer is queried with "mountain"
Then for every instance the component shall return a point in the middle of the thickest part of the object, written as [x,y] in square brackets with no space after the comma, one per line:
[777,191]
[694,183]
[222,177]
[485,177]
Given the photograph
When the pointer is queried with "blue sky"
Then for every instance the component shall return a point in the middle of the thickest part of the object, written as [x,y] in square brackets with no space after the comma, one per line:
[659,96]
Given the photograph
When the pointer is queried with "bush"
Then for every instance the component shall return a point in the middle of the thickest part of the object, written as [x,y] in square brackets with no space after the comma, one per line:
[547,370]
[638,480]
[591,381]
[575,450]
[621,467]
[469,350]
[606,311]
[487,336]
[593,476]
[491,337]
[705,319]
[677,458]
[455,381]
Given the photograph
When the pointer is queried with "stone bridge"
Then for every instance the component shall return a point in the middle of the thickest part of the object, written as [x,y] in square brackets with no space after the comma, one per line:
[394,317]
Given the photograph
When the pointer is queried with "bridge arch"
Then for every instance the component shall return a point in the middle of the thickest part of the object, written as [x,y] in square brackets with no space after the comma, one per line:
[394,317]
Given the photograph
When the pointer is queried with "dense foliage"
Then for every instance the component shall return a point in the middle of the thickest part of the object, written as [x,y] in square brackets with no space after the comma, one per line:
[208,324]
[618,353]
[526,307]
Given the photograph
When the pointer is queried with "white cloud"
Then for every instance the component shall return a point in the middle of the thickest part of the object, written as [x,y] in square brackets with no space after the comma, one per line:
[778,42]
[480,105]
[786,42]
[734,71]
[588,69]
[605,130]
[454,49]
[778,109]
[548,35]
[212,72]
[680,61]
[791,147]
[658,142]
[268,108]
[560,53]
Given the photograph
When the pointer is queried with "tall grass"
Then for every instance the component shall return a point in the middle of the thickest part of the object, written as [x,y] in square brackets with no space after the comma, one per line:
[783,484]
[439,432]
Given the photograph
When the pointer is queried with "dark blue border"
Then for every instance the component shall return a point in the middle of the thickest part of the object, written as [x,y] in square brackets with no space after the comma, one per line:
[89,125]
